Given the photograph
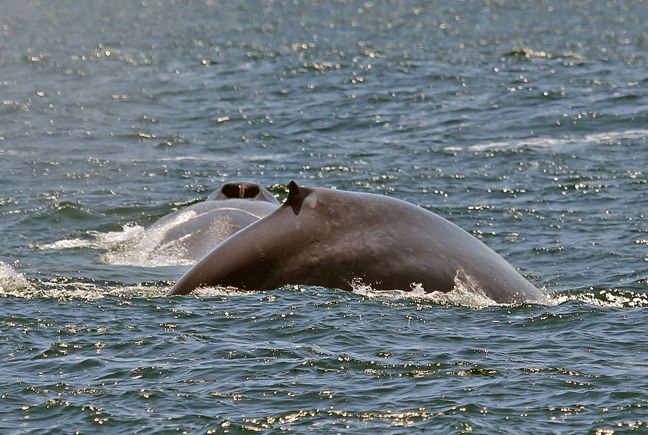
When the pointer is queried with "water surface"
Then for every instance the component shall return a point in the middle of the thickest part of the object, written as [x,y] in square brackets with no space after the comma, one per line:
[526,123]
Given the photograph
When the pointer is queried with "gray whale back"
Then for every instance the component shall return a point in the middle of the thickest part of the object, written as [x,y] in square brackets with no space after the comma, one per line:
[193,231]
[331,238]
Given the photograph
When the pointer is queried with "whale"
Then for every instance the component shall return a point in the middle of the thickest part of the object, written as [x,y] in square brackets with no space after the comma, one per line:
[192,232]
[337,239]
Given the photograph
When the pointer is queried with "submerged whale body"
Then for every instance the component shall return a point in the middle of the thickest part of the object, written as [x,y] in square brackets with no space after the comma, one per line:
[333,238]
[192,232]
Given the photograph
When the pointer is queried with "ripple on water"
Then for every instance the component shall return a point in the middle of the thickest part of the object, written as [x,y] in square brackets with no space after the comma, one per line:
[524,123]
[298,357]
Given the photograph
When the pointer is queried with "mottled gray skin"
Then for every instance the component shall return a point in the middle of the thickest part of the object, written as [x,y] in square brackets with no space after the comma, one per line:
[227,210]
[330,238]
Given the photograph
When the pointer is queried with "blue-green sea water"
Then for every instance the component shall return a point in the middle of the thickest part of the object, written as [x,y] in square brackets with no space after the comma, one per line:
[524,122]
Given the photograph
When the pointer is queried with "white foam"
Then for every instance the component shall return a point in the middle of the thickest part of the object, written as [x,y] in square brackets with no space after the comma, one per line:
[83,291]
[66,244]
[11,281]
[143,247]
[207,292]
[466,292]
[134,245]
[549,142]
[612,298]
[97,240]
[224,157]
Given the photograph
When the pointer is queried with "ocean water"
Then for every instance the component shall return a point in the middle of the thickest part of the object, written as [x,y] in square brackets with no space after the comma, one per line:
[525,123]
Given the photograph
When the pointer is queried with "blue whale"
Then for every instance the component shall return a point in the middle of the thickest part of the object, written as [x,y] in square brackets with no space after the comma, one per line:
[192,232]
[333,238]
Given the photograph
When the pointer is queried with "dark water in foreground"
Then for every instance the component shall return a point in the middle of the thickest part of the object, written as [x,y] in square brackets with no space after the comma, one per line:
[526,123]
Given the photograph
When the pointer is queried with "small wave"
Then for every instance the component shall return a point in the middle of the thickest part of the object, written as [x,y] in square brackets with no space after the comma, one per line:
[13,284]
[80,291]
[466,293]
[225,157]
[133,246]
[67,244]
[143,248]
[548,142]
[613,298]
[529,53]
[209,292]
[97,240]
[12,281]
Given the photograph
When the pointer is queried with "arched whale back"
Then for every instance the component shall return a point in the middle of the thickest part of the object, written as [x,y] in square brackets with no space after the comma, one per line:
[330,238]
[193,231]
